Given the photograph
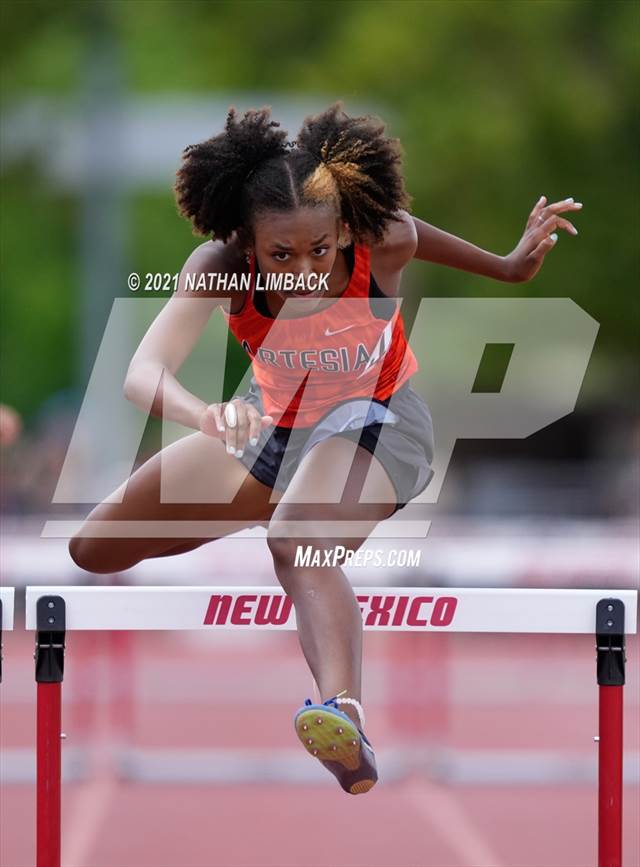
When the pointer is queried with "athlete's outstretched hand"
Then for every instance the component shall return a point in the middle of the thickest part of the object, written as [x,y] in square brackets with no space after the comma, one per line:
[234,422]
[539,237]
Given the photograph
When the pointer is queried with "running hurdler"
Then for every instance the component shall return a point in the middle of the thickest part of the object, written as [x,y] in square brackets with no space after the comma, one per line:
[308,243]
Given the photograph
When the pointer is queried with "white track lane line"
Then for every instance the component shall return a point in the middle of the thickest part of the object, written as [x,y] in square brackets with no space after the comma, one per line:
[87,815]
[87,812]
[451,822]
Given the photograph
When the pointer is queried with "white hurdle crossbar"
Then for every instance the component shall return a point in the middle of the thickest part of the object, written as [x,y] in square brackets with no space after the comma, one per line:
[390,609]
[606,614]
[6,615]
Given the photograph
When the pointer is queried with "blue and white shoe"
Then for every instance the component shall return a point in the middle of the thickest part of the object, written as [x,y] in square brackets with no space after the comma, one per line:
[332,737]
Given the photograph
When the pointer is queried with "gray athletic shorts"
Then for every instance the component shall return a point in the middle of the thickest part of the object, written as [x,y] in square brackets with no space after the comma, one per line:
[398,430]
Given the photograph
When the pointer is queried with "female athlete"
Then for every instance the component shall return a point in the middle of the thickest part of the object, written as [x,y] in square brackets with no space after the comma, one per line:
[331,437]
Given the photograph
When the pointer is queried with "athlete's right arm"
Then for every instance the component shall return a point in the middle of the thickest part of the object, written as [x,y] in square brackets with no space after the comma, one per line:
[150,382]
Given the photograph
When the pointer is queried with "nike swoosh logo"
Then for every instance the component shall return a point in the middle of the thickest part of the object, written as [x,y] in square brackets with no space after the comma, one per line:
[328,333]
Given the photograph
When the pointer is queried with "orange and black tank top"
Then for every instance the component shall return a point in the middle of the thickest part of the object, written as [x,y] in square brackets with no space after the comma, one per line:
[353,347]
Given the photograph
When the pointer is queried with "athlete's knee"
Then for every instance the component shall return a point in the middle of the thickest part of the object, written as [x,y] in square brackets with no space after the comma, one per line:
[100,556]
[285,551]
[281,545]
[293,531]
[285,534]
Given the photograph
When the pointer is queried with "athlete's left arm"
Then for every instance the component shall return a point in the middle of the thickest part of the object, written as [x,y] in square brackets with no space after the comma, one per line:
[435,245]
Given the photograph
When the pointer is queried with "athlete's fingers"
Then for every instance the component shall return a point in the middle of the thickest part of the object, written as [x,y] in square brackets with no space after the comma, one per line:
[542,211]
[231,425]
[230,415]
[565,224]
[543,248]
[535,213]
[242,428]
[555,222]
[216,411]
[254,425]
[561,207]
[237,420]
[210,421]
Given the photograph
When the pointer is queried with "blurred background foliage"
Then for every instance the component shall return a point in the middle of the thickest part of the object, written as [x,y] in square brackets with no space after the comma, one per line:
[495,104]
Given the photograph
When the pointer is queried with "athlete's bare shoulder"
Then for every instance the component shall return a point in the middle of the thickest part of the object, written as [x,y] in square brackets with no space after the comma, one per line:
[396,249]
[209,262]
[399,242]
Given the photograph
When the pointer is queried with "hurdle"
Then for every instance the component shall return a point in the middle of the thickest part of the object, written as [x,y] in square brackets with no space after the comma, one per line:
[606,614]
[7,595]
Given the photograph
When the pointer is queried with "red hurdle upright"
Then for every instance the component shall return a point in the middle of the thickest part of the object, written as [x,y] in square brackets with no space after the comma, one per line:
[49,657]
[611,670]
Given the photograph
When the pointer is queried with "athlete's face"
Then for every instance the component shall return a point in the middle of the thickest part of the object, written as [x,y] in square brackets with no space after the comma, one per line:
[300,242]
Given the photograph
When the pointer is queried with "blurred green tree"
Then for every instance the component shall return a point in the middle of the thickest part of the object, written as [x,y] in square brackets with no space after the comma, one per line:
[495,103]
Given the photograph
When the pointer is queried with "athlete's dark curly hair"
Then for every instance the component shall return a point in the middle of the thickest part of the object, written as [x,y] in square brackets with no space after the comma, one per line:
[225,181]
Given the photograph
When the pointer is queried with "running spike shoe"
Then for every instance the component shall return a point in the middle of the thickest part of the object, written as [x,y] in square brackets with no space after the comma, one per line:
[334,739]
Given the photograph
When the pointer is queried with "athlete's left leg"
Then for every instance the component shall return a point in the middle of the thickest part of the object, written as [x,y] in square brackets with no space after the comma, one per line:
[327,613]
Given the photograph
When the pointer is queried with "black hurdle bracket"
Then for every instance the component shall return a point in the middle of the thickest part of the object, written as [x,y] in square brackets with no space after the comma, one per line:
[611,656]
[50,639]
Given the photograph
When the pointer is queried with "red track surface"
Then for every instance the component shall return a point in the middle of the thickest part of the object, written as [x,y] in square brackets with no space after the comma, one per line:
[506,693]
